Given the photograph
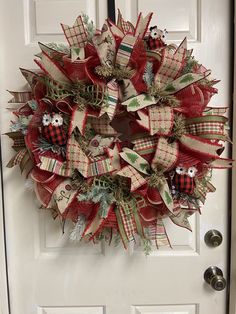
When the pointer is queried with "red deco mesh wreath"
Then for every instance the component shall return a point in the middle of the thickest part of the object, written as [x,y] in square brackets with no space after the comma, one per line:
[116,132]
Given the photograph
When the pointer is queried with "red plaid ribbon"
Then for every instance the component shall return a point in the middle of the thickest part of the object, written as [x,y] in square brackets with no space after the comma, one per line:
[171,64]
[102,125]
[76,158]
[145,145]
[161,120]
[128,224]
[136,179]
[211,127]
[76,35]
[166,154]
[18,158]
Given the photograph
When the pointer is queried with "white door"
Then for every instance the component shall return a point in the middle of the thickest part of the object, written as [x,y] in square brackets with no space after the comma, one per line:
[48,274]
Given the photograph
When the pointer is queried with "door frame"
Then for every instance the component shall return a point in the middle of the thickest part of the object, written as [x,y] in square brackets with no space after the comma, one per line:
[4,285]
[232,283]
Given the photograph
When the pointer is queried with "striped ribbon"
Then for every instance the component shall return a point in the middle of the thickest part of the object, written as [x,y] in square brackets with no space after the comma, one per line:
[125,50]
[99,167]
[20,97]
[111,103]
[53,165]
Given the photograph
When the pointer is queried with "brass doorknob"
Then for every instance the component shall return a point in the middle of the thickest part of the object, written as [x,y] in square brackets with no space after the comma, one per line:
[214,277]
[213,238]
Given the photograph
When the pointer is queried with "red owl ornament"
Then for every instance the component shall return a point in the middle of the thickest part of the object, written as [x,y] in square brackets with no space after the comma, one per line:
[184,179]
[157,38]
[53,130]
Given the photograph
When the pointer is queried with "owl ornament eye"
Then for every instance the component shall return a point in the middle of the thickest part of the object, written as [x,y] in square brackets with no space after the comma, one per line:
[181,170]
[46,120]
[192,172]
[57,120]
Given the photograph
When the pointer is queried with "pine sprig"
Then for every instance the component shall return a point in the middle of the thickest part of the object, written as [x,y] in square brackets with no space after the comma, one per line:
[162,98]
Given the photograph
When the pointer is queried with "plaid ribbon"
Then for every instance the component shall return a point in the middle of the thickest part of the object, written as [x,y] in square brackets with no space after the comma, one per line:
[128,223]
[161,120]
[171,64]
[125,26]
[215,111]
[20,97]
[166,154]
[125,50]
[136,179]
[105,45]
[18,140]
[210,127]
[18,158]
[145,145]
[102,125]
[76,35]
[111,103]
[76,158]
[202,189]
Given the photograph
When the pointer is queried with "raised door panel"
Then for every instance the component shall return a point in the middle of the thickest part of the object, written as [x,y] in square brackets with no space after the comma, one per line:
[181,18]
[42,18]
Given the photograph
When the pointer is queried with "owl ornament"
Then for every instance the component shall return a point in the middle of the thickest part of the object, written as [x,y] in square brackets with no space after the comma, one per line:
[183,180]
[52,128]
[157,38]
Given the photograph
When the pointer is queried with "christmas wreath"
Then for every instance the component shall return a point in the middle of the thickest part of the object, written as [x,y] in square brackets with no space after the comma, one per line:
[116,132]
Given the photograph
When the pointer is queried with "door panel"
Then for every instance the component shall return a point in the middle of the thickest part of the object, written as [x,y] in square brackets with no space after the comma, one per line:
[50,275]
[183,20]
